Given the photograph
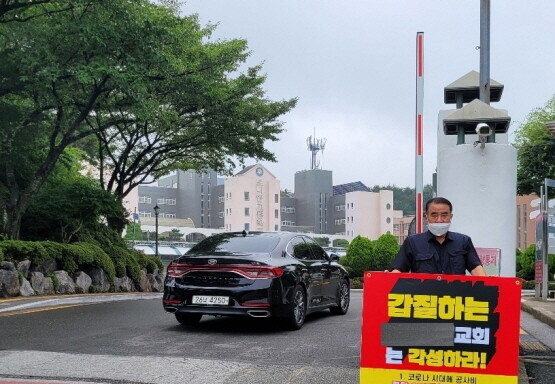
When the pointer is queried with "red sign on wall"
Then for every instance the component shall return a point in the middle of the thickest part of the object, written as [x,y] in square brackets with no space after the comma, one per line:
[432,329]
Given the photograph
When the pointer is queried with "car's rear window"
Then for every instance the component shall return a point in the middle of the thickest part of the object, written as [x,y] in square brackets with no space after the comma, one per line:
[236,243]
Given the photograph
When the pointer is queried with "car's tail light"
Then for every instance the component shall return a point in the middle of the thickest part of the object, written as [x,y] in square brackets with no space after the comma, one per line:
[248,271]
[176,269]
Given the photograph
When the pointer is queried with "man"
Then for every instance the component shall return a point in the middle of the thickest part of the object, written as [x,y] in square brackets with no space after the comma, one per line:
[438,250]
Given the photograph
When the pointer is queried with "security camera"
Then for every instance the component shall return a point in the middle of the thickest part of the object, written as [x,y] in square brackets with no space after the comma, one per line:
[483,130]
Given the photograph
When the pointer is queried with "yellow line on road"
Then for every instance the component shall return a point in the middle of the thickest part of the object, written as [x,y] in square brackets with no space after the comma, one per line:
[43,309]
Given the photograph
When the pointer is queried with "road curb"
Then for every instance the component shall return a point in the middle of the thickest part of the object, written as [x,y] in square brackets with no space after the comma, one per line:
[539,314]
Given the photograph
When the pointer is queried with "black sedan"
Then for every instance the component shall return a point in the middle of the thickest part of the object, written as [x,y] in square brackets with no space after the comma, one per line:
[258,274]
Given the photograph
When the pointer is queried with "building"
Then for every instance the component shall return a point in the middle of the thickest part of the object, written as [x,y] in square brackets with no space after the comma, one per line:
[347,210]
[402,227]
[525,220]
[252,200]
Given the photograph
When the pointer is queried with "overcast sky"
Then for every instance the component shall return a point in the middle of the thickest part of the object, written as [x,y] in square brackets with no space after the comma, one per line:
[351,63]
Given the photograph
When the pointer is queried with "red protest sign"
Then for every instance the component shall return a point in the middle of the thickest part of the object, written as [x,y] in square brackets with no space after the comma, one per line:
[431,329]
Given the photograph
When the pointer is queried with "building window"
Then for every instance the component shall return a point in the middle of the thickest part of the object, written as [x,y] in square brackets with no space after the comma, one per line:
[276,198]
[283,209]
[161,201]
[247,196]
[340,207]
[276,227]
[396,227]
[220,199]
[145,199]
[276,213]
[287,223]
[247,211]
[170,201]
[247,227]
[221,215]
[145,214]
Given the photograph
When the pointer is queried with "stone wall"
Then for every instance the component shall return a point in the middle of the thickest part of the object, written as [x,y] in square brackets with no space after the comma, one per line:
[46,279]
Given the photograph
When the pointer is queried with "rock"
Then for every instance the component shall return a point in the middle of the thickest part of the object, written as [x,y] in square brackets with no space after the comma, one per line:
[48,286]
[83,281]
[47,266]
[37,282]
[7,265]
[23,267]
[100,282]
[66,284]
[144,283]
[25,289]
[9,283]
[124,284]
[156,282]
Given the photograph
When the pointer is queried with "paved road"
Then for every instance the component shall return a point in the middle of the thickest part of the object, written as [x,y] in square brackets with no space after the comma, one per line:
[136,342]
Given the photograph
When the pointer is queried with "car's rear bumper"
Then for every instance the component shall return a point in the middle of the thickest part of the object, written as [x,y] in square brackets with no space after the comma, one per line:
[261,298]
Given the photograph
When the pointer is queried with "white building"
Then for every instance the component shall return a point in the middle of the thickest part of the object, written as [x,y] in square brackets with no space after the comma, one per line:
[252,200]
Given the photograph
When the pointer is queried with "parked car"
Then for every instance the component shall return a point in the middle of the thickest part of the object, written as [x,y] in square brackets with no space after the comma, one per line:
[258,274]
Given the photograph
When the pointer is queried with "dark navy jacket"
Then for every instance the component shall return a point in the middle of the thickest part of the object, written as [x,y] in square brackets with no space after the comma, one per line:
[422,253]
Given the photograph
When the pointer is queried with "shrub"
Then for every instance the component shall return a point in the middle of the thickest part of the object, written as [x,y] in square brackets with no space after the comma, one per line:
[55,281]
[16,250]
[357,283]
[358,255]
[384,251]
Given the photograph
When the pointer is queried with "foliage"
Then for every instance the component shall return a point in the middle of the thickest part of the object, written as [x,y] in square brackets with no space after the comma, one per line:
[525,264]
[175,235]
[342,243]
[322,241]
[404,199]
[357,283]
[142,89]
[133,232]
[384,250]
[535,150]
[55,281]
[68,203]
[358,255]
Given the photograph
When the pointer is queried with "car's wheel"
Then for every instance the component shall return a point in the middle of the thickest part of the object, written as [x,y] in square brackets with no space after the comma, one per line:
[297,313]
[343,299]
[188,318]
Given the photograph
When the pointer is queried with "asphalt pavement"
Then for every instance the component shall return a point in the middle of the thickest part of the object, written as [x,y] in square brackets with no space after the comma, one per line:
[543,311]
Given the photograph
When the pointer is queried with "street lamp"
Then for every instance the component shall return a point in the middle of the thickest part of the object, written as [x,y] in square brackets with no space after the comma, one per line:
[156,212]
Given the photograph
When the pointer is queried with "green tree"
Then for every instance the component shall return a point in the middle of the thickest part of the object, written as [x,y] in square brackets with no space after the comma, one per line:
[69,203]
[358,255]
[133,232]
[404,198]
[384,250]
[108,69]
[342,243]
[526,263]
[322,241]
[535,150]
[175,235]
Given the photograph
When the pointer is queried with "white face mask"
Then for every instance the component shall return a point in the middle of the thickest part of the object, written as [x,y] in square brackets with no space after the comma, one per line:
[438,229]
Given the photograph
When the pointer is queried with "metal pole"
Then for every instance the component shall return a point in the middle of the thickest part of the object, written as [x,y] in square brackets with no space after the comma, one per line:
[484,51]
[156,233]
[545,243]
[419,183]
[134,216]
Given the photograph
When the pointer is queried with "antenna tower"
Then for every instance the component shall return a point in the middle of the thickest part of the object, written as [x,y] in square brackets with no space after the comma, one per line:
[315,145]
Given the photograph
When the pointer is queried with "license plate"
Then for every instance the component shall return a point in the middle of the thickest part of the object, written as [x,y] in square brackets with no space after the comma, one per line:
[211,300]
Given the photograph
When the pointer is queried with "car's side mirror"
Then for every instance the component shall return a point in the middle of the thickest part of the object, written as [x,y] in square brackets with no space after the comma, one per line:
[334,257]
